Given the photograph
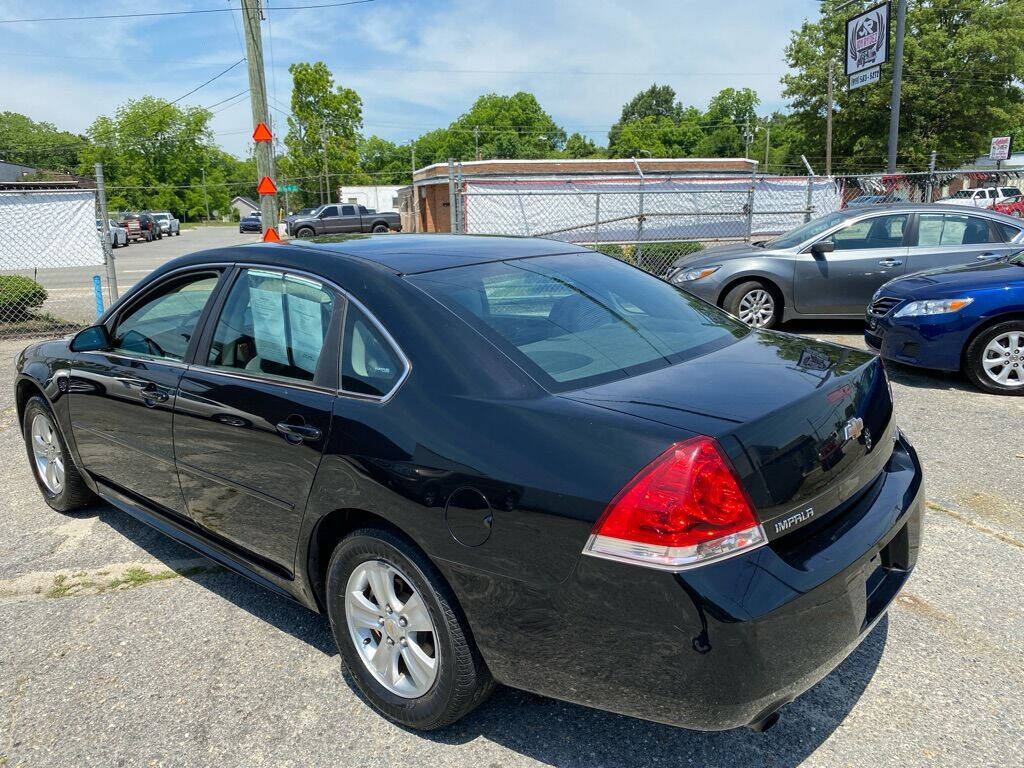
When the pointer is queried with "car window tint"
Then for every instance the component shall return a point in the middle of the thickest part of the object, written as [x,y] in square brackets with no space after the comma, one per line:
[369,364]
[348,210]
[877,232]
[273,324]
[993,193]
[330,210]
[162,326]
[1008,231]
[580,319]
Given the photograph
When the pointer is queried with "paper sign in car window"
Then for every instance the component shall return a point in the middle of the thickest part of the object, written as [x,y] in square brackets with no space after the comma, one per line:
[267,306]
[305,321]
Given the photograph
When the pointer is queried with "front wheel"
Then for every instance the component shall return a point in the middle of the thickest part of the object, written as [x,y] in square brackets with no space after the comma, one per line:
[754,303]
[305,233]
[53,467]
[994,361]
[401,633]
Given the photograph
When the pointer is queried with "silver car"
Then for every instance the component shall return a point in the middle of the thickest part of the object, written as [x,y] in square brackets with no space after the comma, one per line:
[830,267]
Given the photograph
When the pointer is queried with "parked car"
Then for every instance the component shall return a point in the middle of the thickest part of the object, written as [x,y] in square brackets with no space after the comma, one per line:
[981,197]
[148,226]
[1012,206]
[497,459]
[168,224]
[116,236]
[341,219]
[873,200]
[968,318]
[252,222]
[133,232]
[830,267]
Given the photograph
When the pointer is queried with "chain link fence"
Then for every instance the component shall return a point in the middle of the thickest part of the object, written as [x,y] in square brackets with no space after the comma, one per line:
[49,247]
[653,221]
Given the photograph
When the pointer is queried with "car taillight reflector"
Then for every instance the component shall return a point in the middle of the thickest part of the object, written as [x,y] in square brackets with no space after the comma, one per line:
[685,508]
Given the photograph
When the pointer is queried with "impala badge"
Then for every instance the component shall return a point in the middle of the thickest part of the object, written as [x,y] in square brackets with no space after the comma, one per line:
[800,517]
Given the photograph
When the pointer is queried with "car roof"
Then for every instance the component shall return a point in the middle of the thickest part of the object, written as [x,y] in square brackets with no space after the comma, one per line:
[862,210]
[413,253]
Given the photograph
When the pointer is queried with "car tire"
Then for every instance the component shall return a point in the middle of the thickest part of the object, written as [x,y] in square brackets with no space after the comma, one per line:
[458,681]
[991,347]
[755,303]
[1017,212]
[304,232]
[380,228]
[52,464]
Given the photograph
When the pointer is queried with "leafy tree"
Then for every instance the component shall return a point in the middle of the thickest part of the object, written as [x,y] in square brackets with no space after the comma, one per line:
[500,126]
[652,104]
[961,68]
[40,145]
[154,152]
[324,119]
[578,146]
[385,162]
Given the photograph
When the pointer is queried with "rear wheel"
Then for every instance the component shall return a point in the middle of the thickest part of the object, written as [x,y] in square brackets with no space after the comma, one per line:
[401,633]
[380,227]
[995,359]
[1017,212]
[52,465]
[754,303]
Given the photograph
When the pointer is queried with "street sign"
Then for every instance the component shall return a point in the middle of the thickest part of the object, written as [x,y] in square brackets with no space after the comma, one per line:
[866,77]
[867,39]
[262,133]
[1002,148]
[290,188]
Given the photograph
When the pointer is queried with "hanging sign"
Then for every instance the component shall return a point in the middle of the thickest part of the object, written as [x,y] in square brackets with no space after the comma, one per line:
[1002,148]
[866,77]
[867,39]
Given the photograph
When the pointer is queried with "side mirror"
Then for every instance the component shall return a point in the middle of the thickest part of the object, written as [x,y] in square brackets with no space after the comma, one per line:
[822,247]
[95,338]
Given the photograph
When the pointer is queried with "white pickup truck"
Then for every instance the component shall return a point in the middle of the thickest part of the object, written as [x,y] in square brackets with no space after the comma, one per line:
[981,197]
[168,224]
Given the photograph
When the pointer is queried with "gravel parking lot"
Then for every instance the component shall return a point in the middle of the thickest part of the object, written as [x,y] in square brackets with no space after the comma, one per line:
[120,647]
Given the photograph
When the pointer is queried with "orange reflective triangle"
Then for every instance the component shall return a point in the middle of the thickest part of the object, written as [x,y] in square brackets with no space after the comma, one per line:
[262,133]
[271,236]
[266,186]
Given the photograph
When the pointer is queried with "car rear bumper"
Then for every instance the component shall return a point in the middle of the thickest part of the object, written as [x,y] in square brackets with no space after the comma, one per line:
[720,646]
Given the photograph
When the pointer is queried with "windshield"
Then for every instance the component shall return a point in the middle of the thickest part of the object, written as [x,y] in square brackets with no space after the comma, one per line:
[576,320]
[810,229]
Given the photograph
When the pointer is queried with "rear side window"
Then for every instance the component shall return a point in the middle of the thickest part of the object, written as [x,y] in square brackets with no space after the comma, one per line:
[581,319]
[1008,231]
[273,324]
[348,210]
[369,364]
[953,229]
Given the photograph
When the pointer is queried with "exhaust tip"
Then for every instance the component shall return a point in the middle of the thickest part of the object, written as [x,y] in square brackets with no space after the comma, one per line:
[762,725]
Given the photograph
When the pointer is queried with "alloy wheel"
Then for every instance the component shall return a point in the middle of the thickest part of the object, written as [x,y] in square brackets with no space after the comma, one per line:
[757,308]
[1003,359]
[391,629]
[47,454]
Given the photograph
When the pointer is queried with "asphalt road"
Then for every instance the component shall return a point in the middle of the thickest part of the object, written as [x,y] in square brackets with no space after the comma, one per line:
[121,648]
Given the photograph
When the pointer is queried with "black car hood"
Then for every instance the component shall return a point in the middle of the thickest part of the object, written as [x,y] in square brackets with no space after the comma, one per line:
[958,278]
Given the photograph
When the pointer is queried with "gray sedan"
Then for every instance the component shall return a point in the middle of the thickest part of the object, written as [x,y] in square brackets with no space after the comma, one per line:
[830,267]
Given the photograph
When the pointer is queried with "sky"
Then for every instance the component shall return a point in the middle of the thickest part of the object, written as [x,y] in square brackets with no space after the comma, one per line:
[417,65]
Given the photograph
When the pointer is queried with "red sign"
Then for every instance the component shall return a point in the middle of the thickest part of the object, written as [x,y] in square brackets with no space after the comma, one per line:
[266,186]
[271,236]
[262,133]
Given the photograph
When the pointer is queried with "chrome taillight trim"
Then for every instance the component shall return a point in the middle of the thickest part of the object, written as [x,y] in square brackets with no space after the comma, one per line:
[675,559]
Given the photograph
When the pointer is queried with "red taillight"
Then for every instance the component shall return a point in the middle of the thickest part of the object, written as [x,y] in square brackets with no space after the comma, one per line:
[683,509]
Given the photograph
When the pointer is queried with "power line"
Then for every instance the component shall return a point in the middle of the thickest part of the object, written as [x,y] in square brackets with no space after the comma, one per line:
[134,15]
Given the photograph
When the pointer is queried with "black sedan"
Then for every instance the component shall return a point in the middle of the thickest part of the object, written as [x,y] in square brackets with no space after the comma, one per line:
[496,460]
[251,223]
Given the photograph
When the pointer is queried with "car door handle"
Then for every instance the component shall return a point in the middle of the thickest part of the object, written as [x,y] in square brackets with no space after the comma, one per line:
[988,255]
[296,433]
[890,262]
[152,394]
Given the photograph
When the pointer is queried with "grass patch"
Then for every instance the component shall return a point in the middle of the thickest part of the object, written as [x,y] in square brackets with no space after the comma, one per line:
[61,587]
[64,586]
[135,577]
[36,325]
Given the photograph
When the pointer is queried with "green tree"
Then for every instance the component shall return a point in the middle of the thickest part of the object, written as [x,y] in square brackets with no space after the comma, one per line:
[324,119]
[40,145]
[153,155]
[385,162]
[498,126]
[962,64]
[654,103]
[578,146]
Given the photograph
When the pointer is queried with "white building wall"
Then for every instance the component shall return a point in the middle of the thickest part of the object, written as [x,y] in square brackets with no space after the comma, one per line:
[380,198]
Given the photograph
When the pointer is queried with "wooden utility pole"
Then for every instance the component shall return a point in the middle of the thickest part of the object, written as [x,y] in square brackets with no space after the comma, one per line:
[828,121]
[897,83]
[251,16]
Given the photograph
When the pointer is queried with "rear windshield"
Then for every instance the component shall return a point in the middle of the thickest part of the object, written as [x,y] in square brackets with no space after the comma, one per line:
[577,320]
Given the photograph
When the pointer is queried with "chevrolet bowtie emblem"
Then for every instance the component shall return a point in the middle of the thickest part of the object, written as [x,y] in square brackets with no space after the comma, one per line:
[853,429]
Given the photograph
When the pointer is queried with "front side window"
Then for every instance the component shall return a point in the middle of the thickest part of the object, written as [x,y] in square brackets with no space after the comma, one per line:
[369,364]
[162,326]
[877,232]
[329,210]
[935,229]
[273,324]
[581,319]
[796,236]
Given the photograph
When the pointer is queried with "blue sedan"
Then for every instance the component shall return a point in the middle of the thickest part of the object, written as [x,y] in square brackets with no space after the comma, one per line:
[968,318]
